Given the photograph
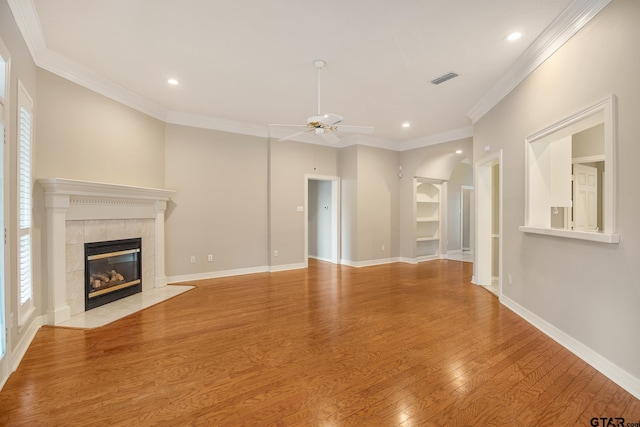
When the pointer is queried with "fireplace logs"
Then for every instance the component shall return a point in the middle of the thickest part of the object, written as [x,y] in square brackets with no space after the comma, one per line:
[105,280]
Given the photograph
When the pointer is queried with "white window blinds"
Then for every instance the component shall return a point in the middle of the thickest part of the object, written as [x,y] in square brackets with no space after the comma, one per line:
[25,128]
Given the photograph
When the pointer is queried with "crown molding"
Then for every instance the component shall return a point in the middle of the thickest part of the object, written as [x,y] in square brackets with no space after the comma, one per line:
[369,141]
[26,17]
[72,71]
[27,20]
[452,135]
[216,123]
[577,15]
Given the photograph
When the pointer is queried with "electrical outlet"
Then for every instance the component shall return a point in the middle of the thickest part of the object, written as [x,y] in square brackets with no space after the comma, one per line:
[193,259]
[509,278]
[210,258]
[275,252]
[382,248]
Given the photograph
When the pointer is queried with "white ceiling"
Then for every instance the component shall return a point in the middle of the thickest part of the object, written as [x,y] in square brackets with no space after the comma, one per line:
[251,61]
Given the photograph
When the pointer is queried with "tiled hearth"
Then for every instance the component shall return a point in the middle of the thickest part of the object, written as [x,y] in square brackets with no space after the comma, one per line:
[79,212]
[100,316]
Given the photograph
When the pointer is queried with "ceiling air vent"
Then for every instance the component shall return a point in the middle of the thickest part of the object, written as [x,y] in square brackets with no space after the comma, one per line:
[443,78]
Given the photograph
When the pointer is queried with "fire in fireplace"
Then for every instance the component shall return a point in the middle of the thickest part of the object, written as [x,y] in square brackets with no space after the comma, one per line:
[112,271]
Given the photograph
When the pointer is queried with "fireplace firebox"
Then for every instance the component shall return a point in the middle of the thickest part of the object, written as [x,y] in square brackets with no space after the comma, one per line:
[113,270]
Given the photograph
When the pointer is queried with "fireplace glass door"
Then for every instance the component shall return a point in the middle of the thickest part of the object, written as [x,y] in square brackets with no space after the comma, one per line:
[112,271]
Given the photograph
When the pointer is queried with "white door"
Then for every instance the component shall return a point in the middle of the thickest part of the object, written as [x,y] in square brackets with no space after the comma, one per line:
[585,198]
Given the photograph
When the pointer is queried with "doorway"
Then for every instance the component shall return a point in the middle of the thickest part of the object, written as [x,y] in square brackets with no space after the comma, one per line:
[488,253]
[466,219]
[322,224]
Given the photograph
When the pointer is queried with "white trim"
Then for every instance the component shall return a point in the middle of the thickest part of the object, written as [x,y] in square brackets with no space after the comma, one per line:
[482,256]
[27,20]
[287,267]
[214,123]
[593,236]
[612,371]
[6,212]
[72,71]
[588,159]
[172,280]
[74,187]
[27,336]
[373,262]
[317,258]
[603,111]
[408,260]
[425,141]
[566,25]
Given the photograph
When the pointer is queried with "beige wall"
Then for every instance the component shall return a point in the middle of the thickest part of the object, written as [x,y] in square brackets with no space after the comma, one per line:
[378,204]
[348,169]
[84,135]
[289,163]
[220,205]
[587,290]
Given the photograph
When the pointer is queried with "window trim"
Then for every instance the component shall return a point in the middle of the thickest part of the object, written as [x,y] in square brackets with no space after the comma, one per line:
[606,107]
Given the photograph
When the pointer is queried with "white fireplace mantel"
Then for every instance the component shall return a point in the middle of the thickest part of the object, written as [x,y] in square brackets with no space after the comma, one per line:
[67,199]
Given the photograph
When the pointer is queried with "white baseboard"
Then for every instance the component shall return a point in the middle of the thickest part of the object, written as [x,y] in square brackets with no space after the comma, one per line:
[285,267]
[602,364]
[319,258]
[216,274]
[408,260]
[370,263]
[26,337]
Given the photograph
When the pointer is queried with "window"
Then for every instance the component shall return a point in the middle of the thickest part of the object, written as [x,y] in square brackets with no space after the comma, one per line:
[4,68]
[569,176]
[25,131]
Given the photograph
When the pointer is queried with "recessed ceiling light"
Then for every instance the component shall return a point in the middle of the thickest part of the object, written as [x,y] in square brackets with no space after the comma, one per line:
[406,125]
[514,36]
[458,151]
[172,82]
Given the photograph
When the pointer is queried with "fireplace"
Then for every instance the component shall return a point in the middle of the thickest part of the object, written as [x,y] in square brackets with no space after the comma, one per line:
[113,270]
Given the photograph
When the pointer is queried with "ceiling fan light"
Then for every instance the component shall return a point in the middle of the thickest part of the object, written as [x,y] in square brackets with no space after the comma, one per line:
[319,131]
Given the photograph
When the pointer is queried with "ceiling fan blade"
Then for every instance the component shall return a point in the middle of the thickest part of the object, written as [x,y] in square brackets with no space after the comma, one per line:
[330,119]
[355,129]
[331,137]
[287,126]
[286,138]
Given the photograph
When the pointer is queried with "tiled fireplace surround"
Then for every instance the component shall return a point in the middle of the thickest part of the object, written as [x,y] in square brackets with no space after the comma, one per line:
[79,212]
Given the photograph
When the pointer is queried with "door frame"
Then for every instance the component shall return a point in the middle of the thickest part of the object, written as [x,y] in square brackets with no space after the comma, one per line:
[483,253]
[335,216]
[6,363]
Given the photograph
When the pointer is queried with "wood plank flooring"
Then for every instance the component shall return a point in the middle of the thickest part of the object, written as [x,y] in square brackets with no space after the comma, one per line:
[391,345]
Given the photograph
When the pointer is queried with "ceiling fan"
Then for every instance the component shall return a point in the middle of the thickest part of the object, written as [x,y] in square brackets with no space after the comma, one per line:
[324,125]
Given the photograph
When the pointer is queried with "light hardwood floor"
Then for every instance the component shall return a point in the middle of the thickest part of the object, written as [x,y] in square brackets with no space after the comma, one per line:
[391,345]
